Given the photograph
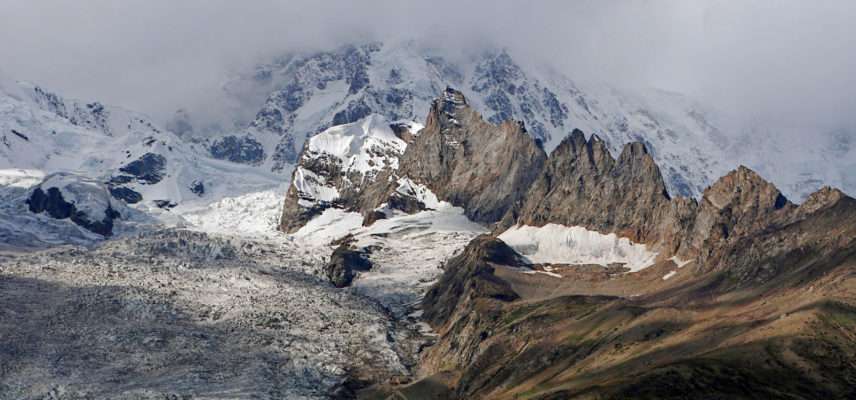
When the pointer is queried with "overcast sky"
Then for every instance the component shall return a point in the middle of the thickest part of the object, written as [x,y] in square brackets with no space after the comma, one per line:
[793,62]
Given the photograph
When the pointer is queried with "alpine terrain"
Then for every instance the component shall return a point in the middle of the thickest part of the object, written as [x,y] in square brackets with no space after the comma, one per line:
[392,221]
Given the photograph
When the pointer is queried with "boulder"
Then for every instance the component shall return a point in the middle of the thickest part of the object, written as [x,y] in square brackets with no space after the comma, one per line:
[344,264]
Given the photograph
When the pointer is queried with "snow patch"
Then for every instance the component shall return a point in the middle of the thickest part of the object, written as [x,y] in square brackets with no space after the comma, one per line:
[680,263]
[20,178]
[407,187]
[559,244]
[312,186]
[669,275]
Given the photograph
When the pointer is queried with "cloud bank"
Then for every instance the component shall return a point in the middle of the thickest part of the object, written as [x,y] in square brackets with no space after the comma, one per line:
[784,62]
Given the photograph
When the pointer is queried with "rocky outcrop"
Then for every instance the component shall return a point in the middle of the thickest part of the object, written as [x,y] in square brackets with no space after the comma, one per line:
[457,157]
[469,276]
[766,301]
[86,203]
[197,187]
[148,169]
[127,195]
[238,149]
[739,205]
[464,301]
[347,166]
[345,262]
[472,163]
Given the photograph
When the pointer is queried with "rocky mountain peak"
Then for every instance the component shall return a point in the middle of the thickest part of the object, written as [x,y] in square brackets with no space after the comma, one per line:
[738,205]
[583,185]
[469,162]
[826,197]
[634,150]
[745,189]
[452,99]
[589,154]
[448,110]
[337,167]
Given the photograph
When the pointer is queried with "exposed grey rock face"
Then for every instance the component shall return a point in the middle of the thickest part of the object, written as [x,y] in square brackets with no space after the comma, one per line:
[344,264]
[510,94]
[148,169]
[129,196]
[472,163]
[244,150]
[164,204]
[89,115]
[53,203]
[307,77]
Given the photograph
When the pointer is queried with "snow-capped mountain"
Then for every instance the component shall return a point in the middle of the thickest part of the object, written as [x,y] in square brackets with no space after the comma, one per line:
[138,162]
[44,131]
[338,165]
[476,249]
[306,93]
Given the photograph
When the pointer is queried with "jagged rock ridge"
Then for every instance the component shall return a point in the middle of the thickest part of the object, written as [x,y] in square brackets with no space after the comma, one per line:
[500,330]
[306,93]
[471,163]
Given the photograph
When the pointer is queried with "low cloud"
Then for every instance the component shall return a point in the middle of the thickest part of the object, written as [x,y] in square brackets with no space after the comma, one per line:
[789,63]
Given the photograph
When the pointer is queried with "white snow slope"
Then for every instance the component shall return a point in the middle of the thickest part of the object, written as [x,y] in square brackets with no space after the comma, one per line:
[358,151]
[575,245]
[42,133]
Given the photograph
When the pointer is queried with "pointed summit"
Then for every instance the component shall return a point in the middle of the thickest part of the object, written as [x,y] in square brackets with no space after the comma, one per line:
[453,98]
[825,197]
[484,168]
[743,188]
[739,204]
[583,185]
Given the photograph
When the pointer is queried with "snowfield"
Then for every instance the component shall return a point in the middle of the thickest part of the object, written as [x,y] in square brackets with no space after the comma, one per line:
[252,216]
[575,245]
